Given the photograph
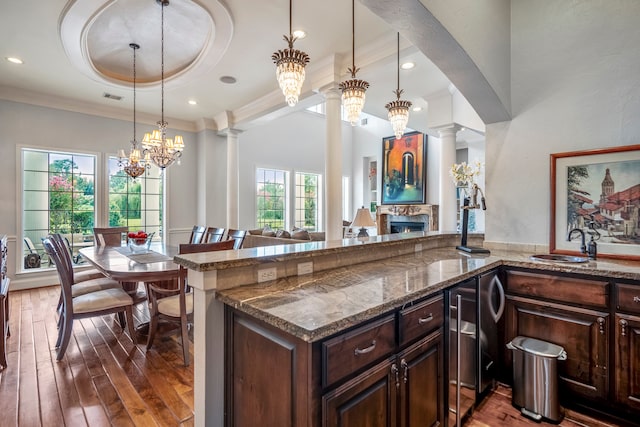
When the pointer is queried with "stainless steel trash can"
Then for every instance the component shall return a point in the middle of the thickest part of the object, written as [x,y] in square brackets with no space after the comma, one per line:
[535,378]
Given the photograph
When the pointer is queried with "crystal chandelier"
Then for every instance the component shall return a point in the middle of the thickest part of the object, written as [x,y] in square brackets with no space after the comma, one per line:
[290,65]
[398,109]
[162,151]
[353,91]
[133,164]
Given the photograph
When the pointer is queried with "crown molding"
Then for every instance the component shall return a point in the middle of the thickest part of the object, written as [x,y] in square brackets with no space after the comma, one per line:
[25,96]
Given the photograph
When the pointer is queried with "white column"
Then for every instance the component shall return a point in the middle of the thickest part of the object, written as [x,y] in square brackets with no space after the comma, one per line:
[333,165]
[448,207]
[208,350]
[233,189]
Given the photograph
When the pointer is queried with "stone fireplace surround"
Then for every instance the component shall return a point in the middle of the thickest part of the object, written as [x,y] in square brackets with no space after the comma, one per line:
[427,214]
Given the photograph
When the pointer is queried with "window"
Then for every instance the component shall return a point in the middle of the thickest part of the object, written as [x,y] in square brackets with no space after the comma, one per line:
[347,214]
[58,197]
[271,198]
[136,204]
[308,186]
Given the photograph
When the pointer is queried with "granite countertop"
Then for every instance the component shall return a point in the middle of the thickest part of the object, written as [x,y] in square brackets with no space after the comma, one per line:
[312,307]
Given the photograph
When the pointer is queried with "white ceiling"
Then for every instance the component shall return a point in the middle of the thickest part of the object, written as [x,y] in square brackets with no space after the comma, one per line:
[31,30]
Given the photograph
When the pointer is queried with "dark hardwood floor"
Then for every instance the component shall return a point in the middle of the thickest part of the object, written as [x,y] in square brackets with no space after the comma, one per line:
[496,411]
[104,379]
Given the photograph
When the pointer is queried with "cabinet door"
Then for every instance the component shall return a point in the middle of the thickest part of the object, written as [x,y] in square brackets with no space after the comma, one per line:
[421,387]
[628,360]
[582,332]
[367,400]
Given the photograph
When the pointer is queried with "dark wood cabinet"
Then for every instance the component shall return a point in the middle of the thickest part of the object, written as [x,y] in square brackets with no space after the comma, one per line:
[627,351]
[404,390]
[364,376]
[420,381]
[4,302]
[583,333]
[268,379]
[568,311]
[627,346]
[368,400]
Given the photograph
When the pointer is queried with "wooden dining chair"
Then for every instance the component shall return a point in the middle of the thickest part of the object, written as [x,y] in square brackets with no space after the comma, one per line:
[197,234]
[177,304]
[98,303]
[109,236]
[238,236]
[213,235]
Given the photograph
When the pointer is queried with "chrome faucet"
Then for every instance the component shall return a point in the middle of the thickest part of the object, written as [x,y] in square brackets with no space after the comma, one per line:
[583,246]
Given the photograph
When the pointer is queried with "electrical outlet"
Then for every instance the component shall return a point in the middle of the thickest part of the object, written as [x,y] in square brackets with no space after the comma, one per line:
[305,268]
[267,274]
[418,247]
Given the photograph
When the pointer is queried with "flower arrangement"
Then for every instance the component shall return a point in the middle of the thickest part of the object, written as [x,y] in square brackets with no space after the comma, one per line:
[464,174]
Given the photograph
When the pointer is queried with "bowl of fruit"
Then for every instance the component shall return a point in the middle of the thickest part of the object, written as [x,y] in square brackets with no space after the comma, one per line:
[139,241]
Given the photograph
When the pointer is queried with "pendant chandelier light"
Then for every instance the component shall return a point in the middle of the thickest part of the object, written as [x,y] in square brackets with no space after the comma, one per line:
[290,65]
[398,109]
[162,151]
[133,164]
[353,90]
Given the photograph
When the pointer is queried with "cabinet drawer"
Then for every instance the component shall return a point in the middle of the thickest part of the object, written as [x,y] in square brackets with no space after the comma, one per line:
[347,353]
[558,288]
[421,319]
[628,298]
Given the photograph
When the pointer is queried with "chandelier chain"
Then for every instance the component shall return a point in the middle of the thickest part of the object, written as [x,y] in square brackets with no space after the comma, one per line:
[290,18]
[162,5]
[134,47]
[353,38]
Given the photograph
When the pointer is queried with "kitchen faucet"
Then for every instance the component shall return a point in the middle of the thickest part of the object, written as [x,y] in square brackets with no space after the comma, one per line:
[583,246]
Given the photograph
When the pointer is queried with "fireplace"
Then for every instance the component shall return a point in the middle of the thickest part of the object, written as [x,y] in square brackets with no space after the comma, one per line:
[405,226]
[407,217]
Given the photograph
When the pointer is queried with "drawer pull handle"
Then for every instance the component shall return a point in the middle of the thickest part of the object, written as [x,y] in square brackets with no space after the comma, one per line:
[369,349]
[405,371]
[427,319]
[394,371]
[636,299]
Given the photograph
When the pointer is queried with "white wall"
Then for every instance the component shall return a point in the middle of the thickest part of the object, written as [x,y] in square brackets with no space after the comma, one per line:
[295,142]
[41,127]
[574,87]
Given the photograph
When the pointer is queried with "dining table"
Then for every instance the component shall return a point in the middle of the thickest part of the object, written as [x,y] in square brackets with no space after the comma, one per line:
[120,263]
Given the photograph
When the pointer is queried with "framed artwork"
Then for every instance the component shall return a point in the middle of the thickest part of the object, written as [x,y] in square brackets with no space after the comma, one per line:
[597,192]
[404,174]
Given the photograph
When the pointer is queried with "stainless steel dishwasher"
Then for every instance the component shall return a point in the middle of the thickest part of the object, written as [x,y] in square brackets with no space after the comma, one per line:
[462,320]
[491,304]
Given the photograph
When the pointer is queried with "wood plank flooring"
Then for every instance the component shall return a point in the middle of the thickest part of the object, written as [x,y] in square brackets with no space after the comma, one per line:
[107,380]
[497,411]
[104,379]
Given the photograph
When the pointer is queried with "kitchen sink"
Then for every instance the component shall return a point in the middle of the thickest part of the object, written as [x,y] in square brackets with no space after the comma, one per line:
[559,258]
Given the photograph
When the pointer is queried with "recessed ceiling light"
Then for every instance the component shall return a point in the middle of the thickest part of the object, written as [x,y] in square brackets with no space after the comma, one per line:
[408,65]
[193,102]
[417,108]
[228,80]
[14,60]
[299,34]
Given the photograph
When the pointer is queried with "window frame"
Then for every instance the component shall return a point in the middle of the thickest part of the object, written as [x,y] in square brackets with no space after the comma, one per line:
[20,199]
[162,175]
[319,199]
[286,198]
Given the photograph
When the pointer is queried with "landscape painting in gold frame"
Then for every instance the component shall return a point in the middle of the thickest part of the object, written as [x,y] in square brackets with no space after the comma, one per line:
[597,192]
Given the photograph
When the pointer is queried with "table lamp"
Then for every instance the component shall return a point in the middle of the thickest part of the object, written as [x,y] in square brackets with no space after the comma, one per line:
[362,220]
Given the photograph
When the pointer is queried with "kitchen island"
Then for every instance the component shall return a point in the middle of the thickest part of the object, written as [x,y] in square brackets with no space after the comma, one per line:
[352,282]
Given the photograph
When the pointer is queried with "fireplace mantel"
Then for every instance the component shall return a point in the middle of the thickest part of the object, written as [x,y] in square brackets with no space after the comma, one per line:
[384,212]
